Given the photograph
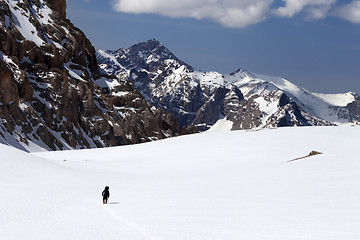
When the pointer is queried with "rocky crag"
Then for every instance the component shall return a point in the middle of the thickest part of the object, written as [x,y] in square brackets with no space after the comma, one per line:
[240,100]
[53,95]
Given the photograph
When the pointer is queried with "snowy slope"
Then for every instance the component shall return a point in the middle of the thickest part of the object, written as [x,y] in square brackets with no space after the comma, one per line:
[227,185]
[323,106]
[337,99]
[23,18]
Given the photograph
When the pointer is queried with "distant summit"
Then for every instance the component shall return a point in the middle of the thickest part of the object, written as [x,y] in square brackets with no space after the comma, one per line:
[149,48]
[140,56]
[240,100]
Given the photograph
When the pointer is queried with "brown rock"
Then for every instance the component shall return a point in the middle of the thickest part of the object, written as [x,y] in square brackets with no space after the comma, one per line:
[59,6]
[8,86]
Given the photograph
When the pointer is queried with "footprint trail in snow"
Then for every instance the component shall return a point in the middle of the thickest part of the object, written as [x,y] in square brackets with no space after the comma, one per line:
[132,225]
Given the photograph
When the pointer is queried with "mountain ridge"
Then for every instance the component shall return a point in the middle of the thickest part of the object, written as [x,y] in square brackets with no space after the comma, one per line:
[248,100]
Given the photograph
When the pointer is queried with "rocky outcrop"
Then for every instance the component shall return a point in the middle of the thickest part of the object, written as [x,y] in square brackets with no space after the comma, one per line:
[58,6]
[52,93]
[354,110]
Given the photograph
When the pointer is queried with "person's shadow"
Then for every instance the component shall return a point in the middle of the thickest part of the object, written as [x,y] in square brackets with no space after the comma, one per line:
[113,202]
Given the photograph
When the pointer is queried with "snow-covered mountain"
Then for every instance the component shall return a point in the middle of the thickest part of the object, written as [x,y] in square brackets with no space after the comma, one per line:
[207,186]
[52,93]
[240,100]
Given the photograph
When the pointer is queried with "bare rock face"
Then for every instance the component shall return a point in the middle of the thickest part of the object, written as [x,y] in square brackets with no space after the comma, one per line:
[354,110]
[8,86]
[58,6]
[52,94]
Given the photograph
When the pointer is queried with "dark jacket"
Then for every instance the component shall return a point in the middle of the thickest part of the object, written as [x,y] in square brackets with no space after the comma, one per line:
[106,193]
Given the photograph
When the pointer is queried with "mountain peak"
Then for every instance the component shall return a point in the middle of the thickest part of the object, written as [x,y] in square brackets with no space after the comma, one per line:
[153,41]
[144,55]
[149,47]
[240,71]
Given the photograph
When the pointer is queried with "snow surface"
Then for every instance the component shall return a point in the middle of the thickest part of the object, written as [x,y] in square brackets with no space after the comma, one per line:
[341,99]
[219,185]
[221,125]
[22,23]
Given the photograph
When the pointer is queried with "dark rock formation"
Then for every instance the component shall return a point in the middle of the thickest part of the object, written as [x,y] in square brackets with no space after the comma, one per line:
[58,6]
[354,109]
[52,94]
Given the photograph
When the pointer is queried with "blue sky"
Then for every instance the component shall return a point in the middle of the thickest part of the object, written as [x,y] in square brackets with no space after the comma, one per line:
[313,43]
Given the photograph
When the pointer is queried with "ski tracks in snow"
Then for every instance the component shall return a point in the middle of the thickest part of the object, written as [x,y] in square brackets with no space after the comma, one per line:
[132,225]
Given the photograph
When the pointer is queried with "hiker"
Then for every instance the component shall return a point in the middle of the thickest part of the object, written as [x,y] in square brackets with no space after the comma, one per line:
[106,194]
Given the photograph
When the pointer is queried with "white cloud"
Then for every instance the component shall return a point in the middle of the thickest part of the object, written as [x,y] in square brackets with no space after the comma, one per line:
[241,13]
[350,11]
[231,13]
[318,12]
[238,17]
[315,9]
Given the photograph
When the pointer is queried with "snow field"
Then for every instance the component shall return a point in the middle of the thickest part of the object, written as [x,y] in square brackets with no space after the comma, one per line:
[218,185]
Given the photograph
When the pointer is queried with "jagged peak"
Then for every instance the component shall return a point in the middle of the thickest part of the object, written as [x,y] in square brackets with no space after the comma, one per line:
[152,46]
[242,72]
[144,55]
[154,41]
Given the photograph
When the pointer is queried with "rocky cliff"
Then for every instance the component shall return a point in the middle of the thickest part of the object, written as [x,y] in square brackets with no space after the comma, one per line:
[53,95]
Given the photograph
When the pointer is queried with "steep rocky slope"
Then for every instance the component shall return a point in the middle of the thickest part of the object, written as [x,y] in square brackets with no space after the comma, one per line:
[240,100]
[52,93]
